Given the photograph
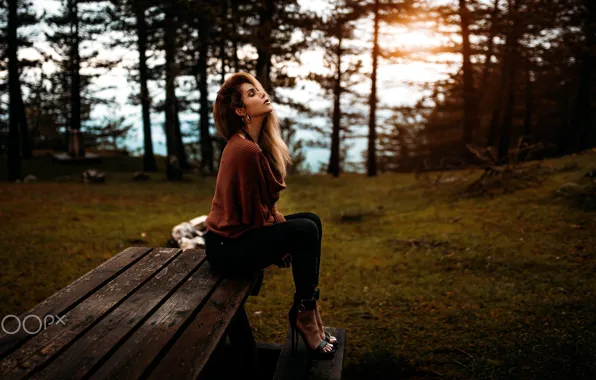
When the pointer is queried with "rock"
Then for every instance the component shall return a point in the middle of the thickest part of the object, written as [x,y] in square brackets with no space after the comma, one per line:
[93,176]
[140,176]
[29,178]
[591,174]
[569,187]
[571,190]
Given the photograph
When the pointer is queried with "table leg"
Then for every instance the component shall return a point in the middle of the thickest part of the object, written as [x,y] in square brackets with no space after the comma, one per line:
[243,342]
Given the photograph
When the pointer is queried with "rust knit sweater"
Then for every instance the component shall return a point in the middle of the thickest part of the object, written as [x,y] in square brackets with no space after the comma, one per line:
[246,190]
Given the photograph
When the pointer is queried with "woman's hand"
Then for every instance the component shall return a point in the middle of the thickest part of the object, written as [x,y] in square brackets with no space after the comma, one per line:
[286,260]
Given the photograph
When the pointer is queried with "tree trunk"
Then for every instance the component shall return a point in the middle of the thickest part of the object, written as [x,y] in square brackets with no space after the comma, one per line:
[482,89]
[149,164]
[223,40]
[14,154]
[38,106]
[334,158]
[75,77]
[493,129]
[24,125]
[586,135]
[489,51]
[469,91]
[173,170]
[179,142]
[372,134]
[235,19]
[404,162]
[563,139]
[528,114]
[263,68]
[528,117]
[512,50]
[206,143]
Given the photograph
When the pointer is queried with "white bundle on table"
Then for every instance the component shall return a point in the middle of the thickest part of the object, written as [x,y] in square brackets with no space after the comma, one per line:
[190,234]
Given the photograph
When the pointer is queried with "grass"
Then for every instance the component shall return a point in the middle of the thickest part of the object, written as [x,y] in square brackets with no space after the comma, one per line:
[427,284]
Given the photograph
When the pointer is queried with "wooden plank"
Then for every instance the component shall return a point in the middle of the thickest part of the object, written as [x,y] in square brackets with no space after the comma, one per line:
[188,354]
[268,357]
[274,348]
[38,350]
[132,358]
[331,369]
[124,320]
[297,366]
[66,299]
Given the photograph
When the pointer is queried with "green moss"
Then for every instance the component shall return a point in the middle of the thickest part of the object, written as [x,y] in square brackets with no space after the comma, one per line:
[425,281]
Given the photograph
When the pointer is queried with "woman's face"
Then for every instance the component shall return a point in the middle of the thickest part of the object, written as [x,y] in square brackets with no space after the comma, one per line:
[256,102]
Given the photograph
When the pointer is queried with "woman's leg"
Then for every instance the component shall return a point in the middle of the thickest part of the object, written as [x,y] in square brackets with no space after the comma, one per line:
[261,247]
[308,215]
[315,218]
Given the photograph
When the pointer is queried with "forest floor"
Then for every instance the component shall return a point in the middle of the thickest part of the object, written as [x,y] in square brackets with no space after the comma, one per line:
[428,282]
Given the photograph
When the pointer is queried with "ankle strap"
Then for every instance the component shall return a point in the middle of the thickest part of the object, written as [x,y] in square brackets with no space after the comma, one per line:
[304,304]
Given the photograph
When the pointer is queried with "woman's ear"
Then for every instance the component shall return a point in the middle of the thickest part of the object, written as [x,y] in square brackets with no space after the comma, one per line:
[240,112]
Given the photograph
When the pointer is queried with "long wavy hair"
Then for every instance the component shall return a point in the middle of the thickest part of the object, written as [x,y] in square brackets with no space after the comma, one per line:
[227,122]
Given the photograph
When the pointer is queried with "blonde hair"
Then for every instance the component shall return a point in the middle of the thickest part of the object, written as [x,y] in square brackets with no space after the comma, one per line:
[227,122]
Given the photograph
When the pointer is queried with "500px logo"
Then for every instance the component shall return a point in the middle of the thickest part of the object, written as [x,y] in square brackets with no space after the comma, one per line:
[47,321]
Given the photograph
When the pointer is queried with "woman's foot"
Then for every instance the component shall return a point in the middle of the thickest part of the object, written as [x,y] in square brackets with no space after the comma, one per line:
[332,339]
[308,324]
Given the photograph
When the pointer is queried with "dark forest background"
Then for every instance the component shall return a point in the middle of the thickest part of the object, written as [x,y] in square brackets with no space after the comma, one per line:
[524,89]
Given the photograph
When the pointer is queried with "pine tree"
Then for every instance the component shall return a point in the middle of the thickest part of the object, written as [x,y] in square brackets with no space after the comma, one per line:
[130,17]
[335,30]
[383,13]
[277,22]
[78,22]
[25,17]
[14,156]
[371,167]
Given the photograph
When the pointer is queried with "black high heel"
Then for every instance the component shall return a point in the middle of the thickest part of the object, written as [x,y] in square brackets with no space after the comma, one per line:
[327,335]
[301,305]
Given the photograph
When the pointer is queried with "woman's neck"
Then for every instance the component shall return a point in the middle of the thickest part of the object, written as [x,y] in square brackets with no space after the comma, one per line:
[254,128]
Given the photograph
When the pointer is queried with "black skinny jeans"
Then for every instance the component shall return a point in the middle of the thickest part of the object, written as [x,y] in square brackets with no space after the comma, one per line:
[301,235]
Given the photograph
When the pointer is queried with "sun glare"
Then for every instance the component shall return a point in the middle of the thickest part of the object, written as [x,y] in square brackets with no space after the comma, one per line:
[415,39]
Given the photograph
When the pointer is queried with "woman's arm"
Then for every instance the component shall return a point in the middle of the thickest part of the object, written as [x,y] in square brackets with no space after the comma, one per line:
[249,188]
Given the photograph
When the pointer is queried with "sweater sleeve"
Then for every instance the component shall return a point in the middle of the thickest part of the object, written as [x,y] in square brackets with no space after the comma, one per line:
[250,184]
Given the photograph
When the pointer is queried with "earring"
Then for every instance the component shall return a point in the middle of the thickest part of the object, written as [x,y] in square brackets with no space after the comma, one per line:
[246,119]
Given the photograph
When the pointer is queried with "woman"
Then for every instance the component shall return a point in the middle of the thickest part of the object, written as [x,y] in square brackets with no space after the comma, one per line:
[245,231]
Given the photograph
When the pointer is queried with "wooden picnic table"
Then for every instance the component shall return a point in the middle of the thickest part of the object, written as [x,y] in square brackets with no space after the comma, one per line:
[145,313]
